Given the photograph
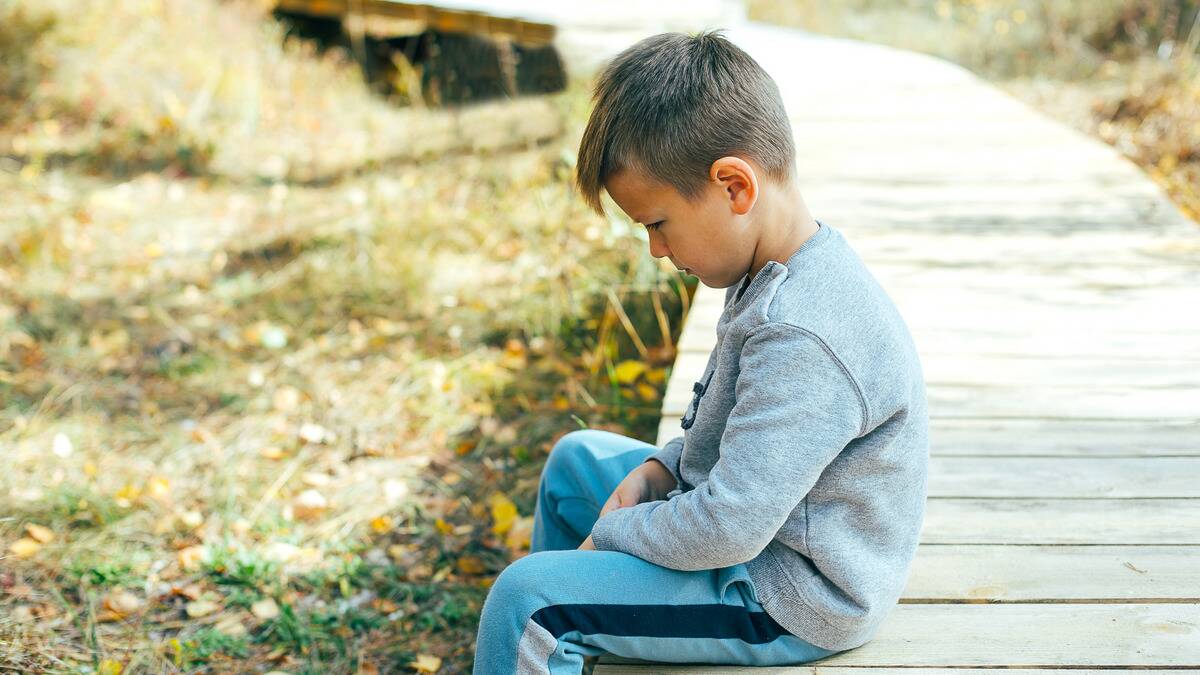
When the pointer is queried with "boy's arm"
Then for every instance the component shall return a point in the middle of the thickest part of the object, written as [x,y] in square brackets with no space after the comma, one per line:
[668,456]
[796,409]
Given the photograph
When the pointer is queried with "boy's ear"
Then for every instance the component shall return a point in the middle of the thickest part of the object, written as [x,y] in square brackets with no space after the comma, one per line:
[739,181]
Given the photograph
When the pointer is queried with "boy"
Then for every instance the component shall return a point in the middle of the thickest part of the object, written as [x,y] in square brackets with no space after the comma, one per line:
[780,528]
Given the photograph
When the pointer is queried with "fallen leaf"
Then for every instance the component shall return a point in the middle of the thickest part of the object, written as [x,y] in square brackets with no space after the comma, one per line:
[381,524]
[24,547]
[504,512]
[426,663]
[42,534]
[127,495]
[265,609]
[309,504]
[230,625]
[191,557]
[121,602]
[628,371]
[190,591]
[109,667]
[198,608]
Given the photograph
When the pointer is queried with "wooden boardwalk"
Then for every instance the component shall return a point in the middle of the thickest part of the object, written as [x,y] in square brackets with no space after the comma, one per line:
[1054,295]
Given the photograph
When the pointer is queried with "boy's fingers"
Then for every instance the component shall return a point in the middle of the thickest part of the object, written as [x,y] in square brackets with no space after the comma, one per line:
[614,502]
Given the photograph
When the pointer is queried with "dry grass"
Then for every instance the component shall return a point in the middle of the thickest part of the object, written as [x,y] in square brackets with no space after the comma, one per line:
[224,387]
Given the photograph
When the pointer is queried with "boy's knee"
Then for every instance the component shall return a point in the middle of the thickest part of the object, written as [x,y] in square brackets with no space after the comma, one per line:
[521,586]
[569,450]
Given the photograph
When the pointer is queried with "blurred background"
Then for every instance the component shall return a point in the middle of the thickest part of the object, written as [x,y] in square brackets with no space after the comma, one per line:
[296,297]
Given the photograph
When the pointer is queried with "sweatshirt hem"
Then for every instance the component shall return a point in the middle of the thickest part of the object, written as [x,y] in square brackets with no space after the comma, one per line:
[783,600]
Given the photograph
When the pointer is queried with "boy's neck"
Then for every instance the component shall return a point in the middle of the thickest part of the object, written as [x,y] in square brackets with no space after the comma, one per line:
[783,224]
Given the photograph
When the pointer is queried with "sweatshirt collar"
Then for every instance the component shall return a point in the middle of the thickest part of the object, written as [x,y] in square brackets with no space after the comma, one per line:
[773,267]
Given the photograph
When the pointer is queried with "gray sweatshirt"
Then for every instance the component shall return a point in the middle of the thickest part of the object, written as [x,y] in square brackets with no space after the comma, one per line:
[805,452]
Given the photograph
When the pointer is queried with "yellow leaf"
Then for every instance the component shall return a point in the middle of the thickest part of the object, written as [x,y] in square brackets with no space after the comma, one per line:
[628,371]
[127,494]
[647,392]
[426,663]
[43,535]
[503,513]
[656,375]
[443,526]
[381,524]
[109,667]
[23,548]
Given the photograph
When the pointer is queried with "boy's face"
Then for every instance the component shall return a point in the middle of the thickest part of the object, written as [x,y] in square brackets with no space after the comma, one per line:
[708,237]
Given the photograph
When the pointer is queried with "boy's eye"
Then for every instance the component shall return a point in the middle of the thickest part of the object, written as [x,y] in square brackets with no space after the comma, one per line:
[655,225]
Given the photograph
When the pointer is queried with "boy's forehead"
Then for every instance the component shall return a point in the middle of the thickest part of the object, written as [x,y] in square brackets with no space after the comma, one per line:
[636,194]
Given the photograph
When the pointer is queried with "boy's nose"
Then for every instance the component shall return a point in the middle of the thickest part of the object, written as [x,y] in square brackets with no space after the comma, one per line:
[658,248]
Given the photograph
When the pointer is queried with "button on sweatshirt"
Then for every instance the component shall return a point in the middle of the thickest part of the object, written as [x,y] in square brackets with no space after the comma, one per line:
[805,453]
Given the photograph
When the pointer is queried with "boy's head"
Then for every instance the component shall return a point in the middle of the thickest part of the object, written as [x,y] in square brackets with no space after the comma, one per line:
[687,131]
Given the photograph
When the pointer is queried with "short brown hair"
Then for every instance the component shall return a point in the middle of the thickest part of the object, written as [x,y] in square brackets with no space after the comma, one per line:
[672,104]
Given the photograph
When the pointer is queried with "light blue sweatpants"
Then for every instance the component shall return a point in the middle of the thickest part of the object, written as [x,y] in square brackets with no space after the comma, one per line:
[549,609]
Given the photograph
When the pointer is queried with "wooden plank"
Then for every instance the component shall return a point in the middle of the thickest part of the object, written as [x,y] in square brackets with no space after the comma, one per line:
[1061,521]
[1018,250]
[1033,371]
[986,437]
[1065,477]
[1149,289]
[1150,347]
[1025,636]
[1168,348]
[1003,573]
[1039,437]
[1135,404]
[1127,312]
[1083,402]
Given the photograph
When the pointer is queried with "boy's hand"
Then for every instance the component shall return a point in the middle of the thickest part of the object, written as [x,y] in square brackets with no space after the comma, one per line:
[587,544]
[648,482]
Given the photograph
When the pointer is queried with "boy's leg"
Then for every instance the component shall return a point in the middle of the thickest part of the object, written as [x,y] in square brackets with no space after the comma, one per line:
[549,609]
[583,469]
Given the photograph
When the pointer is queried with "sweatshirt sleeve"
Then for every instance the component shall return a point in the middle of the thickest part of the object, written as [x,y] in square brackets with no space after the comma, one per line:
[669,455]
[795,409]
